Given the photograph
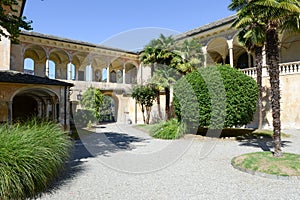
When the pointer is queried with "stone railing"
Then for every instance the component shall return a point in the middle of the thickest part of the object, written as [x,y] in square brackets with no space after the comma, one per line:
[284,68]
[250,71]
[289,68]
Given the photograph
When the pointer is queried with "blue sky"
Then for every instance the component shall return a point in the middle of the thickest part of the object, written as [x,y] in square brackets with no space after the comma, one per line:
[124,24]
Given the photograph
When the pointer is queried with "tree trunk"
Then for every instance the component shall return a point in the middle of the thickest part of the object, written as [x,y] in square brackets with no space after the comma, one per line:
[148,112]
[158,104]
[272,52]
[143,112]
[167,90]
[258,60]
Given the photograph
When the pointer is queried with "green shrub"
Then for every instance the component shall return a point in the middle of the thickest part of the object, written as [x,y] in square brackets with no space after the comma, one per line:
[31,156]
[215,97]
[171,129]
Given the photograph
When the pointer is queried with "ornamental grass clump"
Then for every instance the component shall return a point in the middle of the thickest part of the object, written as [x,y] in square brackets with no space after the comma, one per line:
[171,129]
[31,156]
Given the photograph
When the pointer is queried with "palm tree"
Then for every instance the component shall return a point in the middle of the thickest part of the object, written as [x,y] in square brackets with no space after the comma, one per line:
[252,36]
[159,52]
[276,15]
[189,56]
[164,77]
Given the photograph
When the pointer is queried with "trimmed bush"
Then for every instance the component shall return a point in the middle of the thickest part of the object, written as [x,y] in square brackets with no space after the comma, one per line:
[171,129]
[31,156]
[215,97]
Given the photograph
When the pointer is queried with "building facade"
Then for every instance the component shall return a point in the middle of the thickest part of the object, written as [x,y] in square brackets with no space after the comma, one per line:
[115,71]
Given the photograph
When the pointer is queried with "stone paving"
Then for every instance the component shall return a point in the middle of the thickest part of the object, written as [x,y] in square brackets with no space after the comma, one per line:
[120,162]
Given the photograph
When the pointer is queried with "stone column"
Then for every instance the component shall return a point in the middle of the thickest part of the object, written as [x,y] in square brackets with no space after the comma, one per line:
[54,112]
[249,60]
[204,50]
[10,112]
[40,109]
[107,71]
[47,63]
[264,62]
[230,46]
[124,73]
[47,67]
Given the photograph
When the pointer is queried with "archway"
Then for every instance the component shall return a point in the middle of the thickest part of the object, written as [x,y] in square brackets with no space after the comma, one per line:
[108,110]
[21,112]
[35,102]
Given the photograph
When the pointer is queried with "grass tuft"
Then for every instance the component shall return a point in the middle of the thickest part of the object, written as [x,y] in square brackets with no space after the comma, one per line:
[171,129]
[31,156]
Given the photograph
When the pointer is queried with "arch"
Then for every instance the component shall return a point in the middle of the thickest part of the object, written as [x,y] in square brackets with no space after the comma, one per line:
[29,66]
[52,69]
[217,51]
[113,77]
[130,73]
[243,61]
[109,109]
[40,103]
[61,59]
[290,47]
[104,75]
[119,76]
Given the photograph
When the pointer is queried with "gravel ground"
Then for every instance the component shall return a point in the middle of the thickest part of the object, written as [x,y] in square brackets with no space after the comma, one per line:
[120,162]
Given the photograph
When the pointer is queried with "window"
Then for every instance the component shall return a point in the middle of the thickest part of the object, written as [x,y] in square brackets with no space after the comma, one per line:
[52,69]
[71,73]
[29,66]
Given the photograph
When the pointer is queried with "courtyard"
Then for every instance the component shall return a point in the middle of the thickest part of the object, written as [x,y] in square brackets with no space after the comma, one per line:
[129,164]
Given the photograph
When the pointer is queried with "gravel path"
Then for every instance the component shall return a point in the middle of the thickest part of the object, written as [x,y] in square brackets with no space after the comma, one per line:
[120,162]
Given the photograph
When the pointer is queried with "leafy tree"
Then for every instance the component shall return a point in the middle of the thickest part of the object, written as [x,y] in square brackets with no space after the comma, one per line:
[10,20]
[211,97]
[92,99]
[145,96]
[277,15]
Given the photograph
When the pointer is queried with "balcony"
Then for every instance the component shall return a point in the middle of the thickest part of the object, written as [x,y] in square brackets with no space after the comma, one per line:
[284,69]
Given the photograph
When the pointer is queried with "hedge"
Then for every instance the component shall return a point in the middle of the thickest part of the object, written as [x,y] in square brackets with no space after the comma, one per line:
[215,97]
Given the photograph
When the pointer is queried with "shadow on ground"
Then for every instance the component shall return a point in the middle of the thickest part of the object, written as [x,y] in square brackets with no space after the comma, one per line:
[92,145]
[263,142]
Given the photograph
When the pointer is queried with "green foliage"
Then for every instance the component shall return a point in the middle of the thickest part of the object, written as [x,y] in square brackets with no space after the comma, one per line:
[82,117]
[11,21]
[171,129]
[31,156]
[106,111]
[145,95]
[183,56]
[215,97]
[92,99]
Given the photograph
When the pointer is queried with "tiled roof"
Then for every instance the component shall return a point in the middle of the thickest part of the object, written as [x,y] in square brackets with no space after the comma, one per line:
[18,77]
[206,27]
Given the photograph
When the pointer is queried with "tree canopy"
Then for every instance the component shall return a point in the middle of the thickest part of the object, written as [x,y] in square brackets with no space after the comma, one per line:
[10,20]
[92,99]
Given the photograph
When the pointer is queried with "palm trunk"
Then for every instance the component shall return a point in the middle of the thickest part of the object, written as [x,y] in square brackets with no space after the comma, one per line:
[258,60]
[273,63]
[167,90]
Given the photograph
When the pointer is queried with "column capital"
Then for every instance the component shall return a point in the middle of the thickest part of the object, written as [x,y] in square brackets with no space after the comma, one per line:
[230,43]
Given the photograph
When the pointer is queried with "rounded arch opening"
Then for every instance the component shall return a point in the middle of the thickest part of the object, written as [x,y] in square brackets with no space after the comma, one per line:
[109,109]
[40,103]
